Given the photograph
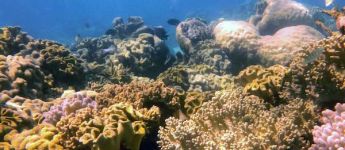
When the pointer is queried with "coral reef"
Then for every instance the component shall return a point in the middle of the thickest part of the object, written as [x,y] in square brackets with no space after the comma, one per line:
[191,31]
[21,76]
[263,82]
[283,13]
[240,41]
[42,136]
[339,17]
[234,121]
[330,135]
[12,40]
[69,105]
[285,43]
[118,126]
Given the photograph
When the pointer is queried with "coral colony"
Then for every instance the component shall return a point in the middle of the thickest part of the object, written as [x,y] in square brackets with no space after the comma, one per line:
[274,82]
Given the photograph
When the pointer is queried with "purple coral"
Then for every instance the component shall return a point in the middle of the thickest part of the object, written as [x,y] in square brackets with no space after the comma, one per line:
[68,106]
[330,135]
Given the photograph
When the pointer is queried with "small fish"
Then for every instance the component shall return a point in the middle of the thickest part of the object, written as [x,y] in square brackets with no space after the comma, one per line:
[110,49]
[174,21]
[13,105]
[77,38]
[328,2]
[313,55]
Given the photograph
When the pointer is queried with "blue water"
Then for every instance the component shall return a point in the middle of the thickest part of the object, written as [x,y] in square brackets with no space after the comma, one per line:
[61,20]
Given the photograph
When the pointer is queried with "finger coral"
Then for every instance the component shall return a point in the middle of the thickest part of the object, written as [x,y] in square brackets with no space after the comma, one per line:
[330,135]
[116,127]
[233,121]
[70,105]
[263,82]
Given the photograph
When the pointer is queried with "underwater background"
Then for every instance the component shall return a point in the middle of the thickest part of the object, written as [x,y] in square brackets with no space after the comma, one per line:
[172,74]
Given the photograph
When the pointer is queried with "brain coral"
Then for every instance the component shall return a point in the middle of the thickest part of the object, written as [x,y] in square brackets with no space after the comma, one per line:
[42,136]
[283,13]
[233,121]
[263,82]
[330,135]
[118,126]
[240,41]
[285,43]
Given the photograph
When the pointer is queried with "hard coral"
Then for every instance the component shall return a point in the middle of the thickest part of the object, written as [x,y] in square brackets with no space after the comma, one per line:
[285,43]
[283,13]
[263,82]
[12,40]
[330,135]
[234,121]
[69,105]
[116,127]
[42,136]
[190,32]
[21,76]
[239,39]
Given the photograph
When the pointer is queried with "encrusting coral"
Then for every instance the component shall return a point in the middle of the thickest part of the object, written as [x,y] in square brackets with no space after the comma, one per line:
[233,121]
[118,126]
[330,135]
[263,82]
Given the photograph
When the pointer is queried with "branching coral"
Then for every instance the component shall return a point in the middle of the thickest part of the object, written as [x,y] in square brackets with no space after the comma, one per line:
[330,135]
[116,127]
[69,105]
[234,121]
[317,72]
[263,82]
[42,136]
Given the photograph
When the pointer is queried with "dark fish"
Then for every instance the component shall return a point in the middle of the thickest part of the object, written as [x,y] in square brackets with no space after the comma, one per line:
[87,25]
[174,21]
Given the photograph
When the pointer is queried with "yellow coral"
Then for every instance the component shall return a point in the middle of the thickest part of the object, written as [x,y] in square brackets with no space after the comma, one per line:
[262,82]
[43,136]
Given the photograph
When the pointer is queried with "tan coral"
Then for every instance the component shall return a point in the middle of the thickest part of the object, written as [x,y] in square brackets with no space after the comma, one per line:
[234,121]
[42,136]
[263,82]
[116,127]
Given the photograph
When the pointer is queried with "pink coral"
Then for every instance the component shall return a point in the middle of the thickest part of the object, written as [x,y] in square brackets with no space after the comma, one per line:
[68,106]
[330,135]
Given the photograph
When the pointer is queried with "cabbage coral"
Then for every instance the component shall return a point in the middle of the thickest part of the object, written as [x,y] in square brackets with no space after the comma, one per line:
[330,135]
[234,121]
[117,127]
[42,136]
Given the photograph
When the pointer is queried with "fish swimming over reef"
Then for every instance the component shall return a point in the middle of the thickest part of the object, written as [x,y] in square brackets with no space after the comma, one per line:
[174,21]
[328,2]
